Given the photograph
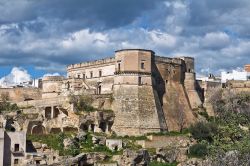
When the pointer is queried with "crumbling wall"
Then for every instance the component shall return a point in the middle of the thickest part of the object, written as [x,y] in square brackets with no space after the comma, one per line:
[21,93]
[239,86]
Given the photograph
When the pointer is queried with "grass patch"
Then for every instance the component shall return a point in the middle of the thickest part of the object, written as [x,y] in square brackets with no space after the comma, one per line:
[54,141]
[156,163]
[185,132]
[198,150]
[88,146]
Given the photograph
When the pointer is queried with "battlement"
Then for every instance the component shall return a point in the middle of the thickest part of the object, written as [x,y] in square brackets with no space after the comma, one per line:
[92,63]
[161,59]
[143,50]
[53,78]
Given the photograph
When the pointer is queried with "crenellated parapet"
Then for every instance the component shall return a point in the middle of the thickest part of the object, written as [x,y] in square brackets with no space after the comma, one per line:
[160,59]
[92,63]
[52,78]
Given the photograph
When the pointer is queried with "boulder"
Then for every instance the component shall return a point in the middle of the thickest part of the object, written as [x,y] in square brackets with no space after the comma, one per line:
[166,155]
[98,140]
[81,136]
[83,159]
[37,145]
[133,158]
[68,142]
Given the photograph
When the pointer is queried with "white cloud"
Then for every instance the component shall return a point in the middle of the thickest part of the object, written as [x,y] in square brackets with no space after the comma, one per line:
[84,39]
[214,32]
[215,40]
[160,39]
[17,75]
[51,74]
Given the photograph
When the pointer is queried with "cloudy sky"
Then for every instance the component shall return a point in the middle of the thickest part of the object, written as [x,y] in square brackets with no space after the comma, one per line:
[46,35]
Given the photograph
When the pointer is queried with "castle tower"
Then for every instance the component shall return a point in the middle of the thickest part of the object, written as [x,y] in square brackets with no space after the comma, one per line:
[190,82]
[136,104]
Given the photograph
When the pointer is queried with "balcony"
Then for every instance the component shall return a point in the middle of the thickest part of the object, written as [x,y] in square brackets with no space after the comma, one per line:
[19,152]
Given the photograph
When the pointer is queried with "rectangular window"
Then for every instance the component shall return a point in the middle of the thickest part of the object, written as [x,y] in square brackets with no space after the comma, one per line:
[100,73]
[78,76]
[119,67]
[16,147]
[15,161]
[139,81]
[91,74]
[142,65]
[83,76]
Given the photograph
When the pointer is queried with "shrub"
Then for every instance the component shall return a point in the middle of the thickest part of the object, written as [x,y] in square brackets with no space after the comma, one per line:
[82,102]
[198,150]
[5,105]
[156,163]
[203,131]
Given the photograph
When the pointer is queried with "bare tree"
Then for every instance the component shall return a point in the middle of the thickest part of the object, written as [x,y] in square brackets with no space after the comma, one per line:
[181,116]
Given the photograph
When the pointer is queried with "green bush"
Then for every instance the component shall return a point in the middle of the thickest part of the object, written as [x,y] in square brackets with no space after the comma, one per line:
[204,114]
[204,131]
[198,150]
[156,163]
[52,140]
[82,102]
[8,107]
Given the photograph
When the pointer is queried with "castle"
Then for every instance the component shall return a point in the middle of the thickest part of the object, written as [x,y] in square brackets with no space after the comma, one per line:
[149,93]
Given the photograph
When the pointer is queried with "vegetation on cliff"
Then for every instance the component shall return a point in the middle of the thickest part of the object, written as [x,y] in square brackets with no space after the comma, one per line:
[228,130]
[5,105]
[82,102]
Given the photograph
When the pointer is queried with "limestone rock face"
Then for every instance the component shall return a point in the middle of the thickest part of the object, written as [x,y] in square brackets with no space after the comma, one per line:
[82,159]
[68,142]
[231,158]
[98,140]
[196,162]
[81,136]
[166,155]
[37,145]
[133,158]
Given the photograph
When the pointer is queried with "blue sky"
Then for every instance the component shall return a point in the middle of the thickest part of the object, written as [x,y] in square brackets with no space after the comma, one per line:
[45,36]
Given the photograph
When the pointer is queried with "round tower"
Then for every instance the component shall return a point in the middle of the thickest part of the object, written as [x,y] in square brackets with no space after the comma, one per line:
[133,67]
[134,99]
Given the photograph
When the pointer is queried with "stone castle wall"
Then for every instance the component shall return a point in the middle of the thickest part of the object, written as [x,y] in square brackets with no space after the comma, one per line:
[21,93]
[239,85]
[52,86]
[151,93]
[135,103]
[190,86]
[135,109]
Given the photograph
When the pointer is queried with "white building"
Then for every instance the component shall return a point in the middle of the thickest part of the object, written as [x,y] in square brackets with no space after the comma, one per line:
[209,78]
[12,147]
[235,75]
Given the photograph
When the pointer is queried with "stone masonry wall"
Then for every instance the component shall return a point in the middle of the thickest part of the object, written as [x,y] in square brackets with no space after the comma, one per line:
[135,110]
[190,86]
[20,94]
[177,110]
